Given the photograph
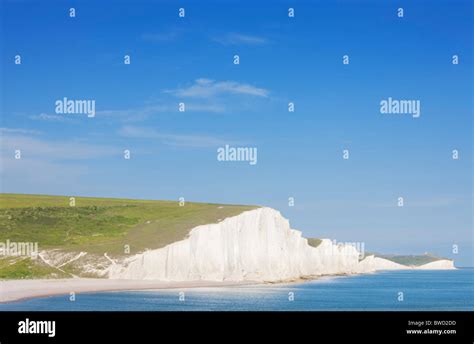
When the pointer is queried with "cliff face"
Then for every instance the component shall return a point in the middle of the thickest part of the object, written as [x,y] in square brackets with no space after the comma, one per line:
[442,264]
[257,245]
[376,263]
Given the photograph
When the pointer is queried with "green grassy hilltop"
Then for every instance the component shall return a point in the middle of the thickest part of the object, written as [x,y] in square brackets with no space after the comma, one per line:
[411,260]
[95,226]
[99,225]
[408,260]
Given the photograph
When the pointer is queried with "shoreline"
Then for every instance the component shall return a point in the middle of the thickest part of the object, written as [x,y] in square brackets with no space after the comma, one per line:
[17,290]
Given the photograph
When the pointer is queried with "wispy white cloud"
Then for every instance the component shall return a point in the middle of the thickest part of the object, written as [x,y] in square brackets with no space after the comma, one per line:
[31,174]
[48,150]
[142,113]
[45,163]
[50,118]
[240,39]
[204,91]
[20,131]
[193,141]
[164,36]
[206,88]
[135,114]
[215,108]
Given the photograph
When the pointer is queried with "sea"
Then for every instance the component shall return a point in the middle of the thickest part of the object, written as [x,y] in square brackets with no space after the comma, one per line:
[429,290]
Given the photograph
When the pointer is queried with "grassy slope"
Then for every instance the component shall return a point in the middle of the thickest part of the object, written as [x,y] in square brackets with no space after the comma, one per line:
[99,225]
[26,268]
[415,260]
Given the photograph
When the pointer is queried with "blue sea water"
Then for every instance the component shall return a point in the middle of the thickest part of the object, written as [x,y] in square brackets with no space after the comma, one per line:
[422,290]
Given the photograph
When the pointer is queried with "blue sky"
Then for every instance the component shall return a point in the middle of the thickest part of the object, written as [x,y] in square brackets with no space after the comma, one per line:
[281,60]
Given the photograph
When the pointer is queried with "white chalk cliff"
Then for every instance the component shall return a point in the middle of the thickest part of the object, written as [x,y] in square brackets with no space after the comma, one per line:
[442,264]
[257,245]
